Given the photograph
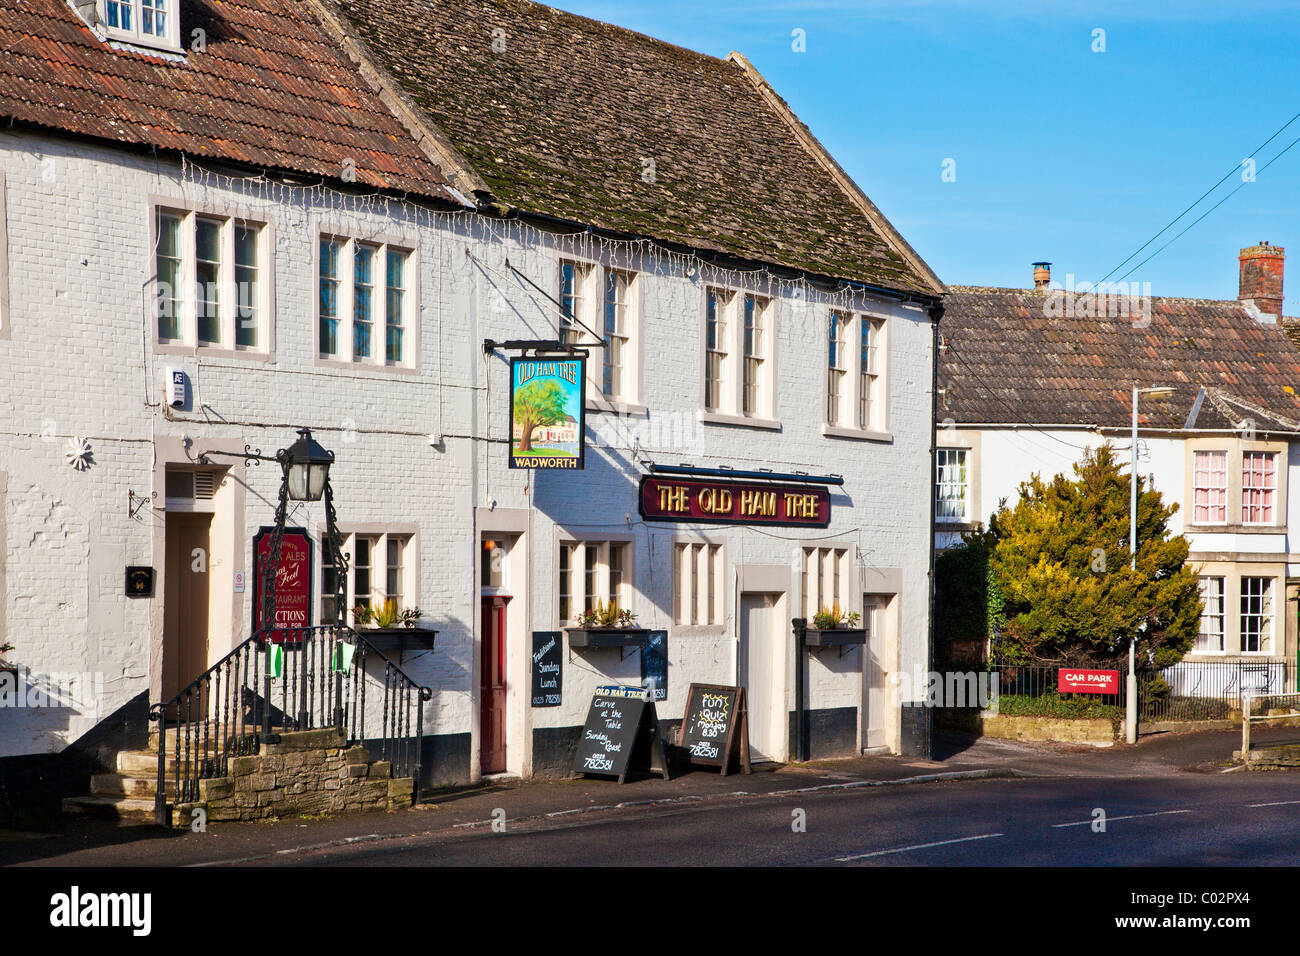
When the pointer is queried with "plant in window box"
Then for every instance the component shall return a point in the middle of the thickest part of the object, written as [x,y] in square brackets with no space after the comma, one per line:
[388,627]
[6,665]
[386,617]
[835,626]
[606,625]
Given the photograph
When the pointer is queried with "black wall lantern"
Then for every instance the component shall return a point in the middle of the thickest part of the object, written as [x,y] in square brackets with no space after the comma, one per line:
[305,476]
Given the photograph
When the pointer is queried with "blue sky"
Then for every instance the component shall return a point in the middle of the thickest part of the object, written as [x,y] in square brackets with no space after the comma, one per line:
[1060,153]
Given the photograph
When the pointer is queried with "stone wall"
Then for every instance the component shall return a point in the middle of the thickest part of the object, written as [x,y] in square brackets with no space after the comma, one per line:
[308,771]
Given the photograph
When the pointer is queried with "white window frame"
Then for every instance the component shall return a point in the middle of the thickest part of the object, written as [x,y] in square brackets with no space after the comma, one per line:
[941,481]
[4,261]
[826,579]
[1214,609]
[1271,491]
[1211,455]
[864,378]
[838,324]
[697,563]
[728,405]
[590,289]
[580,599]
[377,360]
[227,293]
[169,40]
[410,577]
[1267,615]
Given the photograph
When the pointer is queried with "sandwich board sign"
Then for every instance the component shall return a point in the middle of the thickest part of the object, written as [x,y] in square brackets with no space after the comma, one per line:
[716,727]
[621,726]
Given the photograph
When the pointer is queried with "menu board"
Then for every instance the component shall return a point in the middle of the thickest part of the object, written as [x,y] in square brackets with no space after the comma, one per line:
[548,669]
[715,728]
[620,723]
[293,580]
[654,665]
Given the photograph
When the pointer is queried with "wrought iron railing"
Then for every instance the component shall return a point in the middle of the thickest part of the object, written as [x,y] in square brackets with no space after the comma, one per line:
[1212,689]
[280,680]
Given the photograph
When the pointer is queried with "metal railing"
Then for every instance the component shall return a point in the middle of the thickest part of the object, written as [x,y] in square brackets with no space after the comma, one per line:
[1032,690]
[1247,716]
[1211,690]
[287,679]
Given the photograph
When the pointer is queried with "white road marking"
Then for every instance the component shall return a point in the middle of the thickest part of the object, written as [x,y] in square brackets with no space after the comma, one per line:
[1280,803]
[1135,816]
[919,846]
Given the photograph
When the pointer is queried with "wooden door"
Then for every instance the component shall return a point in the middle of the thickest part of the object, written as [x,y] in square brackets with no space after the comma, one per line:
[492,687]
[757,672]
[185,593]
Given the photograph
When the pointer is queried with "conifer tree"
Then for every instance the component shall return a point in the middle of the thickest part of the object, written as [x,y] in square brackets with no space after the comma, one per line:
[1060,564]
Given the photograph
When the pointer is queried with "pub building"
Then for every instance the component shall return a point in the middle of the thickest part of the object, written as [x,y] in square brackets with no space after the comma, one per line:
[596,332]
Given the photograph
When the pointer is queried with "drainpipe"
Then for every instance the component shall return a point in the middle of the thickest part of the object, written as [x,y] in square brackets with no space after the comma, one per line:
[800,712]
[936,314]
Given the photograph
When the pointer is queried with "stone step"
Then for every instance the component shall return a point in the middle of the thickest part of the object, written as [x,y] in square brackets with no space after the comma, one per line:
[128,785]
[106,805]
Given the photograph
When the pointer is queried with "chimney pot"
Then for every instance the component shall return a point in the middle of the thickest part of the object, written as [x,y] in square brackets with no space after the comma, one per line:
[1042,275]
[1260,286]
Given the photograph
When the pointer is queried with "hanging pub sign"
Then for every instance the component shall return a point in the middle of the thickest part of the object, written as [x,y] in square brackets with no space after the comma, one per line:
[708,501]
[548,669]
[547,412]
[292,581]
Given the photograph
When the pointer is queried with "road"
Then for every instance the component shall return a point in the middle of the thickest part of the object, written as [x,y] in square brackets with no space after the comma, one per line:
[1194,819]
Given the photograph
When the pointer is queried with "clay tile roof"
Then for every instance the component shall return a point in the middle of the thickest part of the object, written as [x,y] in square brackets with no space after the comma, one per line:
[272,90]
[1017,356]
[561,120]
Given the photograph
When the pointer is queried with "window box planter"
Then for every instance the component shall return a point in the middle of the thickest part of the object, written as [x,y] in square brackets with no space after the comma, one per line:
[607,636]
[835,636]
[399,639]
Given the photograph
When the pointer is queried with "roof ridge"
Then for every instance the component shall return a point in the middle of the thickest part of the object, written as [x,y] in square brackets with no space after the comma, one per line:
[822,156]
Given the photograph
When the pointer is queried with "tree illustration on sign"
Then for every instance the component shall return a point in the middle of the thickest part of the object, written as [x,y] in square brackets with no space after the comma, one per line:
[539,403]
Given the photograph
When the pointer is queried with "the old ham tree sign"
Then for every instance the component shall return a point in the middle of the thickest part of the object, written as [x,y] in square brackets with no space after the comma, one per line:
[708,501]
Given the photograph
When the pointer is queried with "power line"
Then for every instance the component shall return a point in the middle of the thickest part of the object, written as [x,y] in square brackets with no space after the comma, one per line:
[1226,176]
[1206,213]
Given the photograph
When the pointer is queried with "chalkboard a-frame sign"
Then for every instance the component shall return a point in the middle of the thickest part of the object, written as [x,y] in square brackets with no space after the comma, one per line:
[715,728]
[621,724]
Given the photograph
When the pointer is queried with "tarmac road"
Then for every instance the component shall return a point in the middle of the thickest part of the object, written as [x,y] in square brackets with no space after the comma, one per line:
[1217,820]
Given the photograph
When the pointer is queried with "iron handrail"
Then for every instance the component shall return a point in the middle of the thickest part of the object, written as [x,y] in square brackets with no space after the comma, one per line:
[224,698]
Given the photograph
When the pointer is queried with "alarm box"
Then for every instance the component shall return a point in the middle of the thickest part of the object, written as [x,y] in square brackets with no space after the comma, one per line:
[174,387]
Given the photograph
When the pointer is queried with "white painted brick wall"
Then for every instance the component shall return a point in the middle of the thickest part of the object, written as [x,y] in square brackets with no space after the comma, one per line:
[78,357]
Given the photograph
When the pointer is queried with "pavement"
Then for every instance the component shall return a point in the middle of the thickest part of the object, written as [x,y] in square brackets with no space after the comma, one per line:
[535,805]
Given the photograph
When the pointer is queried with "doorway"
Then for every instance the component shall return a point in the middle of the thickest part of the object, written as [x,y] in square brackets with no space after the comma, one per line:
[874,673]
[185,600]
[756,672]
[492,689]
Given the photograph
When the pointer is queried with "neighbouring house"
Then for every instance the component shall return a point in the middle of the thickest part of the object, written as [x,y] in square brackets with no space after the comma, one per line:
[1030,378]
[228,220]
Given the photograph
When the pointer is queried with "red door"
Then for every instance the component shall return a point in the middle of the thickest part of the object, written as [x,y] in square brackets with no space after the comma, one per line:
[492,689]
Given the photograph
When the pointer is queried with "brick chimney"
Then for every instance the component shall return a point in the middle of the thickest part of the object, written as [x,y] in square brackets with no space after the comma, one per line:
[1261,279]
[1042,275]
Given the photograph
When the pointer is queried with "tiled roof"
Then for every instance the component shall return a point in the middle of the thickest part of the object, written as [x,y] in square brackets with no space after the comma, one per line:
[272,90]
[1013,357]
[563,119]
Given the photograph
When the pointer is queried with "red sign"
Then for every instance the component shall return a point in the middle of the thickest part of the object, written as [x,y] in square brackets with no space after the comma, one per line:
[1073,680]
[734,502]
[293,579]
